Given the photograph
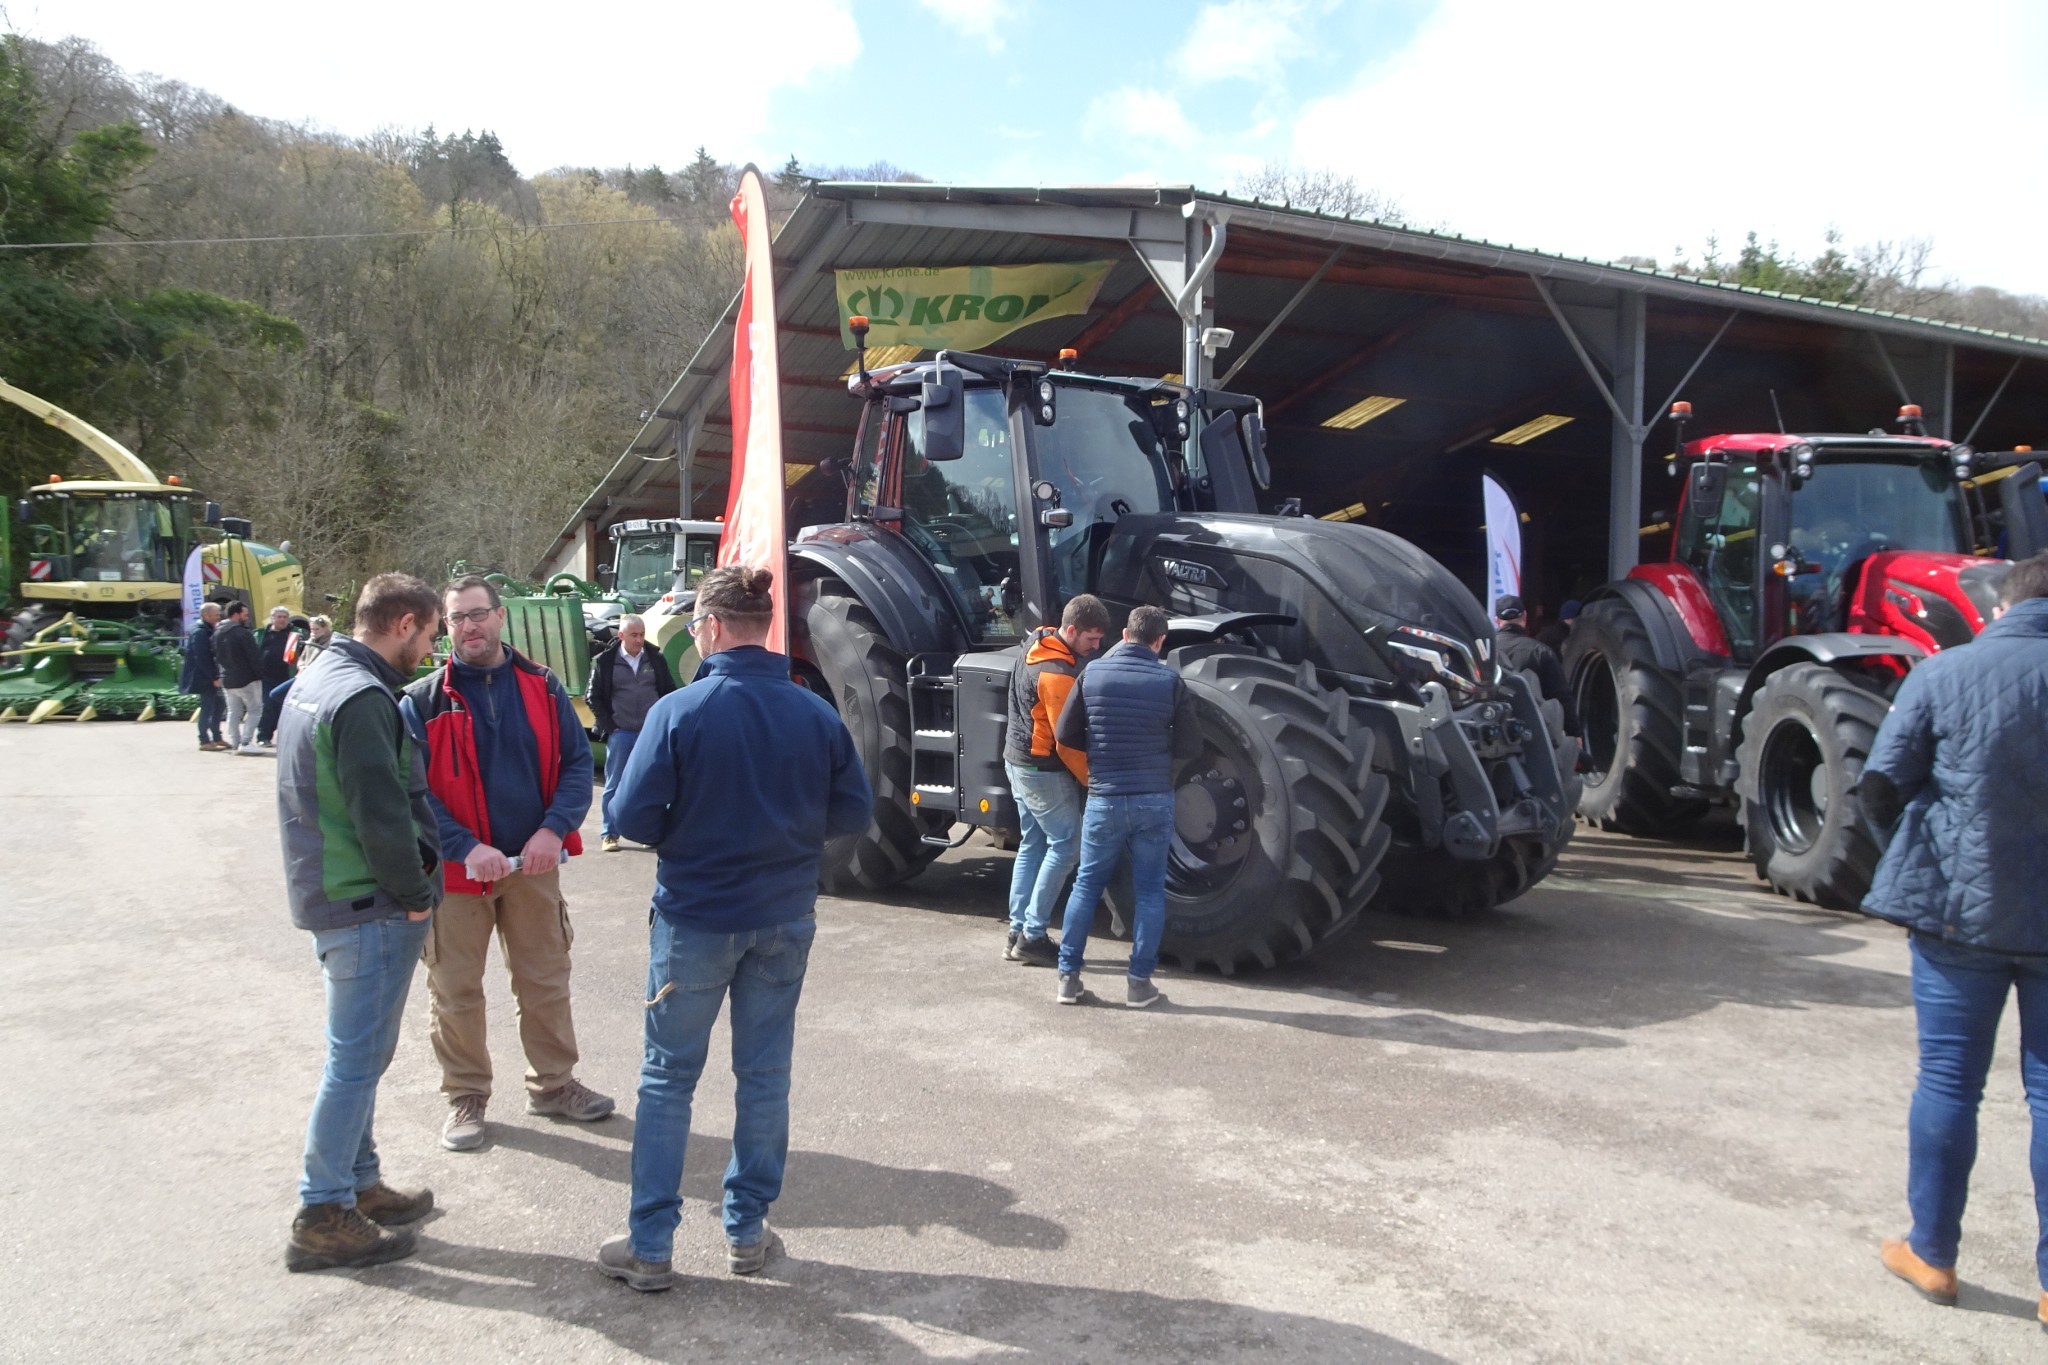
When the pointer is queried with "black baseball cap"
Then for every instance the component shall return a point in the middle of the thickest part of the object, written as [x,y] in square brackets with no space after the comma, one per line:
[1507,606]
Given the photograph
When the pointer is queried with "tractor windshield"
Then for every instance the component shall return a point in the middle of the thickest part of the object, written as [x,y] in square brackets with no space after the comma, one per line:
[644,567]
[1850,509]
[122,539]
[1105,458]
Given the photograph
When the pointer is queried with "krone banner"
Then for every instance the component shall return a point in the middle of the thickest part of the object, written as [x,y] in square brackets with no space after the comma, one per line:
[963,307]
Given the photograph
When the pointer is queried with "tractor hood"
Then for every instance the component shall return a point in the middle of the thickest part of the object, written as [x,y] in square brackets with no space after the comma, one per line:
[1936,600]
[1325,574]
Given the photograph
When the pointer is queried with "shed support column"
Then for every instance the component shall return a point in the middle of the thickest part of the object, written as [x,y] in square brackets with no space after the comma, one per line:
[1625,444]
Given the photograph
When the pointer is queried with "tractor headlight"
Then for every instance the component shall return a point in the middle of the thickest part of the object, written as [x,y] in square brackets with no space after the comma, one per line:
[1446,660]
[1045,390]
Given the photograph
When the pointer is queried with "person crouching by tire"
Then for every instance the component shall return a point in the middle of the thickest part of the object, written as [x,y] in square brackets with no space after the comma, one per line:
[626,679]
[1046,779]
[1959,771]
[1133,717]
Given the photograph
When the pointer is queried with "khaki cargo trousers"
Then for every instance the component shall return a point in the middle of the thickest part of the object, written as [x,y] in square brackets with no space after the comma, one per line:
[532,923]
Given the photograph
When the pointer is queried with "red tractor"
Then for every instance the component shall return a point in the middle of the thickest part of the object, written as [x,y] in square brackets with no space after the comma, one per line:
[1807,575]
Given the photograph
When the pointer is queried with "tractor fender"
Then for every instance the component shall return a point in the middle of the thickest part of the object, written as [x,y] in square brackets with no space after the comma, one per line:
[892,581]
[1671,645]
[1831,648]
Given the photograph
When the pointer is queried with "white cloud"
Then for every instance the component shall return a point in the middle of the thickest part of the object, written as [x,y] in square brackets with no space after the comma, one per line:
[643,82]
[1610,127]
[982,21]
[1150,120]
[1244,39]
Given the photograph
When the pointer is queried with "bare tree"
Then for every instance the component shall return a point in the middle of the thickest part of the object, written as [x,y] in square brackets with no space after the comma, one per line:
[1326,190]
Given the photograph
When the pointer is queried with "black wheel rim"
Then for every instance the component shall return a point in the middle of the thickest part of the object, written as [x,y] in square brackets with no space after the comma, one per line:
[1212,821]
[1794,786]
[1598,696]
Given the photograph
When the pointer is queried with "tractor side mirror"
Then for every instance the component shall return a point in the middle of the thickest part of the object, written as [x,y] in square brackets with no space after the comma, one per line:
[1252,427]
[22,511]
[1709,485]
[212,515]
[604,574]
[943,403]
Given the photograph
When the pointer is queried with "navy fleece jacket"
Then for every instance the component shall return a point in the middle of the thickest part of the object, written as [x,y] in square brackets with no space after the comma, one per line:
[510,760]
[737,781]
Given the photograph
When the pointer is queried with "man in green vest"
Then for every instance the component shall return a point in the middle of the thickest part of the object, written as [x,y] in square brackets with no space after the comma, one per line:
[362,863]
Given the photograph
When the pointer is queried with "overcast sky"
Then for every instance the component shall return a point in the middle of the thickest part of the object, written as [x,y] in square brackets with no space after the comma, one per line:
[1592,127]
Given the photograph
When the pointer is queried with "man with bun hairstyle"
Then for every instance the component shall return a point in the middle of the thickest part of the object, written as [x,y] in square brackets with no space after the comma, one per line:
[736,782]
[1046,778]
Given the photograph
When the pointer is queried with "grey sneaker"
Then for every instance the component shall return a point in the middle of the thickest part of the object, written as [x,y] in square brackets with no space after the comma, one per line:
[1038,952]
[745,1260]
[1071,990]
[616,1259]
[571,1099]
[1010,946]
[1139,992]
[464,1131]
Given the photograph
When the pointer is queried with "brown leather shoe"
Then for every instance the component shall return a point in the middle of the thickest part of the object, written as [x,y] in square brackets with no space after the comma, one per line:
[1933,1282]
[328,1235]
[384,1205]
[2041,1310]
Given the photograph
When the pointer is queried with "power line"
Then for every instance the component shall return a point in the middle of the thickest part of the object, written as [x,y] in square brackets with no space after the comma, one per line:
[350,236]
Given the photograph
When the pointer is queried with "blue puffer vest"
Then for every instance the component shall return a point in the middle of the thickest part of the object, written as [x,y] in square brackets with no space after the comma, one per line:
[1130,698]
[1966,744]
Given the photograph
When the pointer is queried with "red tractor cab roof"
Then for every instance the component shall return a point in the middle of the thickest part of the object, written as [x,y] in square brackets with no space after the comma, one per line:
[1771,442]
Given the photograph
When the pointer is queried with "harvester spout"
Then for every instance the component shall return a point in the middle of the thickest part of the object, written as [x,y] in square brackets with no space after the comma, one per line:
[127,466]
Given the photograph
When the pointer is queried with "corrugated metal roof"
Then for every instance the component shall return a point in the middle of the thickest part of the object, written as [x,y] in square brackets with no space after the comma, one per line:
[822,235]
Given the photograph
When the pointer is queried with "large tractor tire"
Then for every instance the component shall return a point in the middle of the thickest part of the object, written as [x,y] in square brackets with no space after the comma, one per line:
[1433,884]
[863,676]
[1277,832]
[1632,714]
[1808,731]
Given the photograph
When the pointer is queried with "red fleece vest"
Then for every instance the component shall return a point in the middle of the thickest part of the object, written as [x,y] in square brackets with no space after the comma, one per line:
[456,778]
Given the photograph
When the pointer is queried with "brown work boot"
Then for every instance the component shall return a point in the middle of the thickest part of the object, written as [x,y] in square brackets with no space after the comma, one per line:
[1933,1282]
[328,1235]
[382,1204]
[571,1099]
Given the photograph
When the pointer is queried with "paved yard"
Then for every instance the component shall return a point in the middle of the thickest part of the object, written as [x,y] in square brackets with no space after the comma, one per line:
[1646,1113]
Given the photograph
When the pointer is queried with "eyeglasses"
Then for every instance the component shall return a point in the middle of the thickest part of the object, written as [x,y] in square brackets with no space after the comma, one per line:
[477,617]
[695,621]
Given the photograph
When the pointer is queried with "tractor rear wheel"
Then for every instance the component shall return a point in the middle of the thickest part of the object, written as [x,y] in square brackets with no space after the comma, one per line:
[1808,731]
[1632,716]
[1277,833]
[862,674]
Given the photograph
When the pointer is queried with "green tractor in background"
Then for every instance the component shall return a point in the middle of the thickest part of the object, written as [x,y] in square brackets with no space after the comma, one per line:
[97,617]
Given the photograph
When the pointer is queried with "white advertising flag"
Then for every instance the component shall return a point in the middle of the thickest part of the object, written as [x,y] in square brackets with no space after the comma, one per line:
[1503,542]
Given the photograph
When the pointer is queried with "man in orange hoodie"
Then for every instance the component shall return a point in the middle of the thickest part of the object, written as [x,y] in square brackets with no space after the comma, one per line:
[1048,780]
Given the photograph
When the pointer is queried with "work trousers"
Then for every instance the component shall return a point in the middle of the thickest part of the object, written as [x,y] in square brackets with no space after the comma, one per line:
[532,923]
[245,706]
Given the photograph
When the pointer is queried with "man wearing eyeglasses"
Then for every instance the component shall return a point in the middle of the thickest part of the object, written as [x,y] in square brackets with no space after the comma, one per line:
[509,775]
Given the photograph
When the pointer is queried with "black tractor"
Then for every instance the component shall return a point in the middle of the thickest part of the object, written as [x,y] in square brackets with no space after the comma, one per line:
[1360,741]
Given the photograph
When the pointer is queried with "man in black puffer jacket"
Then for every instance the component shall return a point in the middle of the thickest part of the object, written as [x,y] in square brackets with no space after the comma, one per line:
[1960,767]
[1523,653]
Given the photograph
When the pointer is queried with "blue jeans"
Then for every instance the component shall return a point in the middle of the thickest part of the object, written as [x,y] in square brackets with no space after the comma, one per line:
[1958,995]
[1113,825]
[273,707]
[1049,814]
[368,969]
[213,708]
[688,975]
[618,747]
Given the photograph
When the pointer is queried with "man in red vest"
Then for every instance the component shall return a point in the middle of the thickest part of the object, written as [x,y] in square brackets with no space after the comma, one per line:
[509,778]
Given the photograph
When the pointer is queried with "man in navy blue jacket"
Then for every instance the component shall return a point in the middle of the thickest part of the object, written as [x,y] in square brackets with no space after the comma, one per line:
[736,781]
[1960,768]
[1133,717]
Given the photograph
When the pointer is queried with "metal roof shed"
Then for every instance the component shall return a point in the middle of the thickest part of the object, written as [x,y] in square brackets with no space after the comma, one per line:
[1392,361]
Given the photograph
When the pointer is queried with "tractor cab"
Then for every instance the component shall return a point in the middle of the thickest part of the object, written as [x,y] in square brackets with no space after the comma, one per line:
[655,556]
[92,541]
[1007,476]
[1783,540]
